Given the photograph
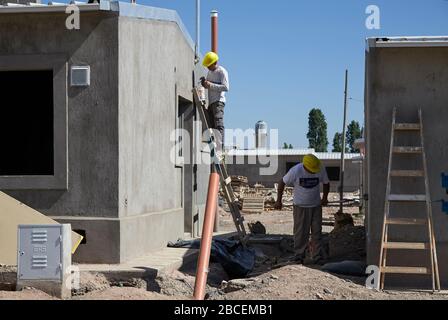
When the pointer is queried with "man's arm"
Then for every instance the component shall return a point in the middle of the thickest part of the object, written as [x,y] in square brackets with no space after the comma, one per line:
[218,87]
[221,87]
[281,188]
[326,193]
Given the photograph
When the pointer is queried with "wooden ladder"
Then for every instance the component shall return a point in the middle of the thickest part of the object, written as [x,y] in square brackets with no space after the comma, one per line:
[219,166]
[386,244]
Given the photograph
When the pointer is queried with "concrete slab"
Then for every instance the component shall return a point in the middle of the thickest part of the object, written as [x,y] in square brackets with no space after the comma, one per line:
[165,260]
[150,266]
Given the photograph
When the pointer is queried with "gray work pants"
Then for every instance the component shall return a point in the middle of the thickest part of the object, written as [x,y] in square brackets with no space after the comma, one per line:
[216,121]
[306,219]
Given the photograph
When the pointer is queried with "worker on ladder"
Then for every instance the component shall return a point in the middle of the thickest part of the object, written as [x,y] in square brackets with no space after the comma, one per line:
[306,178]
[217,83]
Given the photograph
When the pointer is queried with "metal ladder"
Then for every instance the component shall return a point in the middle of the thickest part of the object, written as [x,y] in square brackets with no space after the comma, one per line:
[386,244]
[220,168]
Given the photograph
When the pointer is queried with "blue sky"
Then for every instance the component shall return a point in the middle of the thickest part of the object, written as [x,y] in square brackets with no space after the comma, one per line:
[288,56]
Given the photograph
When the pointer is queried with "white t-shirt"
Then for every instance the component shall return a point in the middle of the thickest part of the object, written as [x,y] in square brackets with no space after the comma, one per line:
[219,85]
[306,185]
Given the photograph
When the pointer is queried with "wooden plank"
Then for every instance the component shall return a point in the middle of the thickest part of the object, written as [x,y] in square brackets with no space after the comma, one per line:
[407,198]
[253,204]
[408,150]
[383,253]
[407,245]
[12,214]
[406,221]
[407,173]
[434,258]
[407,127]
[406,270]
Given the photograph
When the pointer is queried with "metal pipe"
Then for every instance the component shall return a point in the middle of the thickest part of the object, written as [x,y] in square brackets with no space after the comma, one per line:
[343,144]
[198,30]
[214,16]
[214,33]
[207,237]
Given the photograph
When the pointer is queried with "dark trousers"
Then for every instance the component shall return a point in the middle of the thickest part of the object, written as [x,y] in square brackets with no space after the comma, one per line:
[216,121]
[304,220]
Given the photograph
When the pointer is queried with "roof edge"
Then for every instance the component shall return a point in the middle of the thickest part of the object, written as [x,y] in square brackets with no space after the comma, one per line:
[400,42]
[146,12]
[121,8]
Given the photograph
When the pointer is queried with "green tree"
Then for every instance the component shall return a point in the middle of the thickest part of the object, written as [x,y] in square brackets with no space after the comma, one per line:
[285,145]
[291,147]
[337,142]
[354,133]
[317,131]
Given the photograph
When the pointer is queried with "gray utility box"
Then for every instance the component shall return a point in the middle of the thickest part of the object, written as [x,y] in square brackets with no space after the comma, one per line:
[44,258]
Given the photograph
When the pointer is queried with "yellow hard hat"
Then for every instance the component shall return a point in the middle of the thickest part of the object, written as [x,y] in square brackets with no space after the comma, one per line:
[312,163]
[210,59]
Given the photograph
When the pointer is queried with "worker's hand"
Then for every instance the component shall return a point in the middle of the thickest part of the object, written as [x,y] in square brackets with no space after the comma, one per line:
[324,202]
[278,205]
[206,84]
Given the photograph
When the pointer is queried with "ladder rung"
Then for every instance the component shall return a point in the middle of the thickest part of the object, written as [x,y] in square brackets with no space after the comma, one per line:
[407,173]
[407,127]
[408,150]
[406,221]
[407,198]
[407,245]
[405,270]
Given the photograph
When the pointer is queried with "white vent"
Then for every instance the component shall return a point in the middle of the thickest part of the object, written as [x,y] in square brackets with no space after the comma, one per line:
[80,76]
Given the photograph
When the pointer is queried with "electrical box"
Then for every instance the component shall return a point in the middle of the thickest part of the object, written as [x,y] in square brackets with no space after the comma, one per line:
[43,252]
[80,76]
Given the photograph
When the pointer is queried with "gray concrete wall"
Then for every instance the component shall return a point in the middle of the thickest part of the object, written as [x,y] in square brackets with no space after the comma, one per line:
[92,118]
[156,67]
[250,168]
[408,78]
[123,188]
[92,123]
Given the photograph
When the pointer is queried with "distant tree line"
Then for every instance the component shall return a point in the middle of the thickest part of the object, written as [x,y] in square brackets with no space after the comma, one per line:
[317,134]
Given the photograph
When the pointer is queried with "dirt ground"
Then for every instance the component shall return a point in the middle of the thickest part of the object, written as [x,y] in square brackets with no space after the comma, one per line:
[275,277]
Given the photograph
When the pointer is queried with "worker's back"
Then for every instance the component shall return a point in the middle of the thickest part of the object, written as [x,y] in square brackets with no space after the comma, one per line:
[220,78]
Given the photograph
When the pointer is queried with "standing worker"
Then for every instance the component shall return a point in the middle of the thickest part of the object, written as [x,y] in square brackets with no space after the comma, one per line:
[217,83]
[306,179]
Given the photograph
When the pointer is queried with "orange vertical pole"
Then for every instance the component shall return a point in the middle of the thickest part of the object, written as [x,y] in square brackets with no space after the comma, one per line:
[214,33]
[207,237]
[214,16]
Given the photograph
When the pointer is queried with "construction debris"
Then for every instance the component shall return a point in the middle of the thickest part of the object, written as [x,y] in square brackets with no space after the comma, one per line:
[238,183]
[253,204]
[342,220]
[347,243]
[256,199]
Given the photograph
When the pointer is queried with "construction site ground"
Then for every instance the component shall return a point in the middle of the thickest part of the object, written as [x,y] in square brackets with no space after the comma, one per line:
[275,277]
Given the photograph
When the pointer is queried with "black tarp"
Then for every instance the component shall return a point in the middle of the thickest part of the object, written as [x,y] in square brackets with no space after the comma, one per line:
[236,260]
